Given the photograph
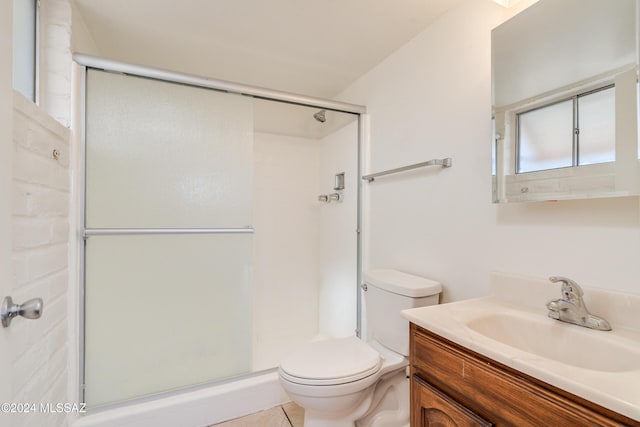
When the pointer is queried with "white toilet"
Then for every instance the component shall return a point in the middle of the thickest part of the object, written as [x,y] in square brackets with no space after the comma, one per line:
[346,381]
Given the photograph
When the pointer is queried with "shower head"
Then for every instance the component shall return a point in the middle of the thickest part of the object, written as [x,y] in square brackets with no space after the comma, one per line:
[319,116]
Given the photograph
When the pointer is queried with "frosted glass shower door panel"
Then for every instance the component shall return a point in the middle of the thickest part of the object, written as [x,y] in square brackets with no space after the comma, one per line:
[162,154]
[165,312]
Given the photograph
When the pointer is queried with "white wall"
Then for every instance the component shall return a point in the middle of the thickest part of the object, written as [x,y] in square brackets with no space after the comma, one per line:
[432,99]
[81,39]
[285,245]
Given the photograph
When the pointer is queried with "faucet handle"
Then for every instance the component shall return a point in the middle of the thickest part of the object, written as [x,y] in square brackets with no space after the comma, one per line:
[554,309]
[570,289]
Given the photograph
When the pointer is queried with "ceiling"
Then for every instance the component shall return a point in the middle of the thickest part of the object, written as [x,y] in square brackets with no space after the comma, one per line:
[315,48]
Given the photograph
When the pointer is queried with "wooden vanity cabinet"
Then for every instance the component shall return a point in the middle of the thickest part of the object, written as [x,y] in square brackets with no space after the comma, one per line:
[454,386]
[431,407]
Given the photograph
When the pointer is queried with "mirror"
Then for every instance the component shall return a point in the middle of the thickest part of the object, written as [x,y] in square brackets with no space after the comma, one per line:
[565,104]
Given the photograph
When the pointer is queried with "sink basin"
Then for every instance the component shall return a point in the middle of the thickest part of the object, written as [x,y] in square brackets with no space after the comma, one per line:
[511,327]
[565,343]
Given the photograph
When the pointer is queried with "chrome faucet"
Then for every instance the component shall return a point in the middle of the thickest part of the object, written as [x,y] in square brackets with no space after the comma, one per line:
[571,309]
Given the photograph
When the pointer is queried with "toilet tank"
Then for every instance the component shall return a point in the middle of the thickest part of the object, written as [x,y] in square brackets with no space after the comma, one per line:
[387,293]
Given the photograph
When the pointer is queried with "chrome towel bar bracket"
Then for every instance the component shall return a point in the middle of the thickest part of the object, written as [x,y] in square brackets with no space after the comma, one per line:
[445,163]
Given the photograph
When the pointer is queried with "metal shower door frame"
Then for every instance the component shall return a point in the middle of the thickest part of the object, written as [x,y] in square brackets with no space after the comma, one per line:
[92,62]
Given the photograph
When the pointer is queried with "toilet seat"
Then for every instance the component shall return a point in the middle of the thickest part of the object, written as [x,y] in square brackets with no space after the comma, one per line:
[331,362]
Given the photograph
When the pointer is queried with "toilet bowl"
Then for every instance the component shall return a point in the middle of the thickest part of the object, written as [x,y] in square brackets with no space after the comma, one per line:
[345,382]
[335,380]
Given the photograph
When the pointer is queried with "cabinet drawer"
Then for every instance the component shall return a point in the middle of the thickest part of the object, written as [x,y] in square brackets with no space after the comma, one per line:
[498,393]
[431,407]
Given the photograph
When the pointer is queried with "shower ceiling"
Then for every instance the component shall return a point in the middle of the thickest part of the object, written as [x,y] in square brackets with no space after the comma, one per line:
[301,46]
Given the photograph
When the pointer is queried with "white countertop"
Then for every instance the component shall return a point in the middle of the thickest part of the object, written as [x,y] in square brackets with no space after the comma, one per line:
[614,388]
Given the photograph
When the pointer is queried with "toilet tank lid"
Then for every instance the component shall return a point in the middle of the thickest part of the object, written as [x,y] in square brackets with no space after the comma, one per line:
[401,283]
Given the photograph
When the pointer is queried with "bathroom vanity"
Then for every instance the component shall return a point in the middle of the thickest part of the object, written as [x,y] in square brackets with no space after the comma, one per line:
[449,382]
[500,360]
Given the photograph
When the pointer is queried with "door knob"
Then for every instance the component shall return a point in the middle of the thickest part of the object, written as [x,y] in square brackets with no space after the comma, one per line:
[31,309]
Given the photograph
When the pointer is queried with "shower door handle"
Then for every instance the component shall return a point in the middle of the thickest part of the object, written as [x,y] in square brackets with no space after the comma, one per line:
[31,309]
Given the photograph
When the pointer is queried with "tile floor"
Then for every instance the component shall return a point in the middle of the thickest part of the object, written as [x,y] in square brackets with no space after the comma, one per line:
[287,415]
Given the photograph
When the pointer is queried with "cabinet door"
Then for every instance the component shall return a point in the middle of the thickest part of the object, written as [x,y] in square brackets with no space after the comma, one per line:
[432,408]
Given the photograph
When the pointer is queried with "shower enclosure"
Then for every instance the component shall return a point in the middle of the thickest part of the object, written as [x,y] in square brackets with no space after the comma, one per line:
[207,255]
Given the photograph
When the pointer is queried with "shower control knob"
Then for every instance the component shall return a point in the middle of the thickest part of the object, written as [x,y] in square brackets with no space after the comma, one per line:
[31,309]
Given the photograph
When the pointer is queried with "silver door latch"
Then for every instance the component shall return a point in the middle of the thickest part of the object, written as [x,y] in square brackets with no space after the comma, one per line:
[31,309]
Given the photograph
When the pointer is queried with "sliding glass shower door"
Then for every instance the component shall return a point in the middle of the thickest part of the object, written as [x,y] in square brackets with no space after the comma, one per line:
[168,243]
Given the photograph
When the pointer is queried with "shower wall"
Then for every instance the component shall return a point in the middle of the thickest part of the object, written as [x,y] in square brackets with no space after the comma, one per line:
[305,253]
[338,244]
[285,245]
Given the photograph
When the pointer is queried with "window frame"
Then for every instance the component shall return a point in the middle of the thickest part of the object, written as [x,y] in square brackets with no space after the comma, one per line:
[32,92]
[575,156]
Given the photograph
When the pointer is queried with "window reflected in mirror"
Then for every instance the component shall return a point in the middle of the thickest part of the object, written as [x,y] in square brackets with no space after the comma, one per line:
[596,136]
[573,132]
[545,137]
[565,101]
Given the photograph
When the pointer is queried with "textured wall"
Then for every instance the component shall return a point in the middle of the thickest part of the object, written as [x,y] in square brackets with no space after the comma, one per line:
[55,59]
[40,222]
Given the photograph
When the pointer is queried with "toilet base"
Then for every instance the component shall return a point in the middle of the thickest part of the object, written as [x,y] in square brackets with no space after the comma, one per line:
[394,408]
[383,404]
